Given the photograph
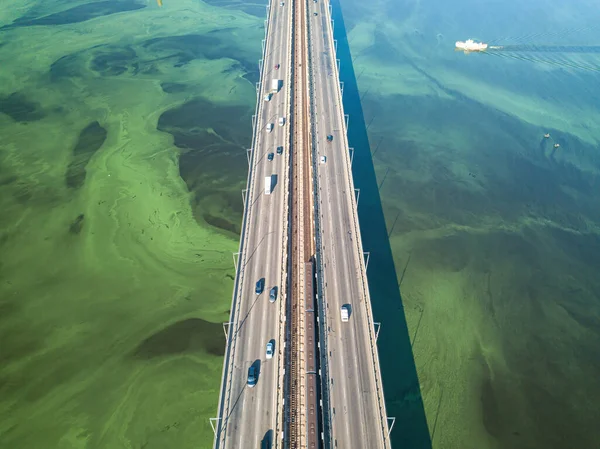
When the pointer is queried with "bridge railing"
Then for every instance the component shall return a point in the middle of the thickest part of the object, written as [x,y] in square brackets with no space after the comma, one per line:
[358,242]
[225,390]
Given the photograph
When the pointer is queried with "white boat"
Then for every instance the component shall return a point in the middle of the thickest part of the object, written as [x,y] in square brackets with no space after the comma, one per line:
[470,45]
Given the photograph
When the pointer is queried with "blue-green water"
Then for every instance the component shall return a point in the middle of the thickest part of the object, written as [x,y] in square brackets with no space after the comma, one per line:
[483,234]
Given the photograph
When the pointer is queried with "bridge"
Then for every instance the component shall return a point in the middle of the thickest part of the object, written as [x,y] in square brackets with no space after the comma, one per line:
[296,373]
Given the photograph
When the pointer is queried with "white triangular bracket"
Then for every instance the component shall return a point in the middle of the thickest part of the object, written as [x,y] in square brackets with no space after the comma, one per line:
[212,424]
[367,256]
[377,327]
[351,155]
[226,328]
[357,193]
[257,88]
[236,257]
[337,64]
[330,10]
[390,427]
[263,46]
[253,120]
[342,88]
[244,193]
[260,66]
[347,117]
[335,45]
[332,25]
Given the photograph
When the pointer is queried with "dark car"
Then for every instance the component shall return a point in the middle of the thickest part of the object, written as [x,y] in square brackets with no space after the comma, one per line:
[270,157]
[260,286]
[273,294]
[329,138]
[252,376]
[279,150]
[315,14]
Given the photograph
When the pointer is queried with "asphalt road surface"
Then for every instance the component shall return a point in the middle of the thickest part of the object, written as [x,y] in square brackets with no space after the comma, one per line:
[250,413]
[356,418]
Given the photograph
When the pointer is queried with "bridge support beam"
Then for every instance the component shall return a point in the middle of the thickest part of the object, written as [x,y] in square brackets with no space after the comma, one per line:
[236,258]
[357,193]
[212,424]
[248,155]
[367,256]
[226,328]
[253,120]
[260,66]
[263,46]
[342,88]
[347,117]
[337,64]
[390,427]
[377,327]
[244,193]
[335,46]
[351,156]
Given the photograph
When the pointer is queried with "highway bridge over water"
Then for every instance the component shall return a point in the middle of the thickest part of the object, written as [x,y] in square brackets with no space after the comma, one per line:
[296,375]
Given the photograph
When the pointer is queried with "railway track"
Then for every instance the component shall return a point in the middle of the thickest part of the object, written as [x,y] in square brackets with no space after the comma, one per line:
[302,419]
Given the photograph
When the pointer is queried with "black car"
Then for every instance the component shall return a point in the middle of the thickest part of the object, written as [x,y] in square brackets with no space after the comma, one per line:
[252,377]
[279,150]
[329,138]
[270,157]
[260,286]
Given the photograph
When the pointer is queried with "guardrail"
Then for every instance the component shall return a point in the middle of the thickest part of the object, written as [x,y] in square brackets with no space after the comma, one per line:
[232,334]
[358,244]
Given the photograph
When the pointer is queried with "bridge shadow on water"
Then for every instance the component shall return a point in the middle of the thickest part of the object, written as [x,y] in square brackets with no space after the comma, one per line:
[400,380]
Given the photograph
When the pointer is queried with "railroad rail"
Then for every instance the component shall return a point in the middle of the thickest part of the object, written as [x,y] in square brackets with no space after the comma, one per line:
[302,426]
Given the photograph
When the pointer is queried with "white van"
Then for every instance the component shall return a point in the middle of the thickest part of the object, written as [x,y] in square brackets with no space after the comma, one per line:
[281,121]
[345,312]
[270,127]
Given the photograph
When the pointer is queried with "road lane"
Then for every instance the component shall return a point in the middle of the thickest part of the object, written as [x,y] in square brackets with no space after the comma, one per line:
[356,422]
[251,412]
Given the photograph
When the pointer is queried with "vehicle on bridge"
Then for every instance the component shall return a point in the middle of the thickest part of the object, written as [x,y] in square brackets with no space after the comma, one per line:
[268,184]
[273,294]
[252,375]
[275,84]
[281,121]
[329,138]
[268,96]
[277,66]
[323,159]
[270,157]
[280,150]
[270,127]
[270,349]
[345,310]
[260,286]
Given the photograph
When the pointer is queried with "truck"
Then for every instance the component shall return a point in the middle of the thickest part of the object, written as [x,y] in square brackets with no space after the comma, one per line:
[268,185]
[345,312]
[275,83]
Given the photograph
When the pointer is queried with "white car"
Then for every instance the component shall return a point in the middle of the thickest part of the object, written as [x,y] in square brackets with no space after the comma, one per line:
[268,97]
[270,348]
[270,127]
[323,159]
[281,121]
